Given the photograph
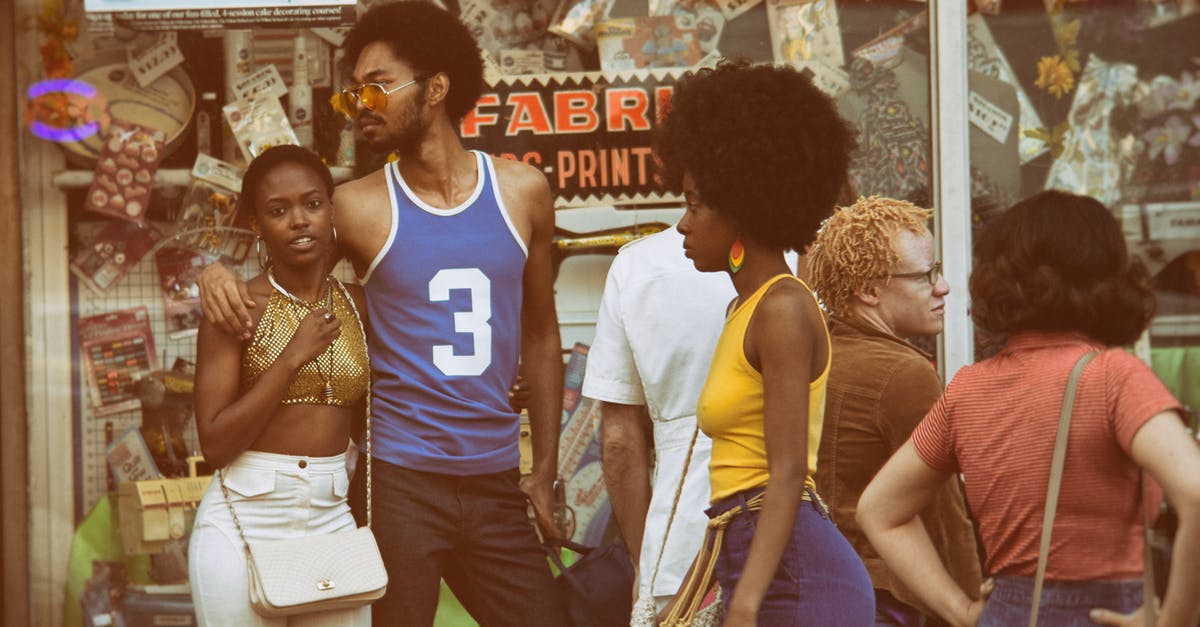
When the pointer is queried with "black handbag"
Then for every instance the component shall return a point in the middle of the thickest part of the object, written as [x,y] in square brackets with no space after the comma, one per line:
[597,589]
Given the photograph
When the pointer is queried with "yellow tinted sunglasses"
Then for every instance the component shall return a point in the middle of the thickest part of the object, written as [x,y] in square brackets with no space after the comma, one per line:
[373,96]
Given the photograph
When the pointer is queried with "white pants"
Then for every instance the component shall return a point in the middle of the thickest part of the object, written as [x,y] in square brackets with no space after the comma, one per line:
[275,497]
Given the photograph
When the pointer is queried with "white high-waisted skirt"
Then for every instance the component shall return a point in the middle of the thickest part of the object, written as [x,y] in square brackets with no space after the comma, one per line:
[275,497]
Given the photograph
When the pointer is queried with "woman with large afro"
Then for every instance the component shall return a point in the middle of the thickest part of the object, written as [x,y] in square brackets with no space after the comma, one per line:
[761,155]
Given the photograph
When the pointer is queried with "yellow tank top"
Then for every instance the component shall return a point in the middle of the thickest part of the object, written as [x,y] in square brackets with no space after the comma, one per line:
[730,409]
[343,366]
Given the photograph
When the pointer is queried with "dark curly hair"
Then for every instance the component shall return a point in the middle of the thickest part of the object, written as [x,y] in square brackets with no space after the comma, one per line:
[271,158]
[1058,262]
[430,40]
[764,146]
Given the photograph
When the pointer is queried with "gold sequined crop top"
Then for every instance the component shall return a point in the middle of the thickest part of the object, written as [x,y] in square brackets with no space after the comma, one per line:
[343,367]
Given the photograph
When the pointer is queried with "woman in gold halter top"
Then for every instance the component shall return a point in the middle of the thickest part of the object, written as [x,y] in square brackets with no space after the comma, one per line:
[275,411]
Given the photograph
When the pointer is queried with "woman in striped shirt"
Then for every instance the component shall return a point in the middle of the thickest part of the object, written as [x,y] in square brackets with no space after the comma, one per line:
[1053,274]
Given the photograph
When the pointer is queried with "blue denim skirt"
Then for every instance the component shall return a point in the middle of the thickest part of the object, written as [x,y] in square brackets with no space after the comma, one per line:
[820,580]
[1064,603]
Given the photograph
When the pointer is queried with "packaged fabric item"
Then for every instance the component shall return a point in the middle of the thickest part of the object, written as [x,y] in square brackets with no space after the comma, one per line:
[704,14]
[258,124]
[109,253]
[129,459]
[507,24]
[1091,162]
[1166,141]
[893,153]
[577,20]
[890,109]
[985,57]
[733,8]
[805,30]
[634,43]
[124,174]
[887,49]
[178,271]
[209,207]
[551,53]
[118,349]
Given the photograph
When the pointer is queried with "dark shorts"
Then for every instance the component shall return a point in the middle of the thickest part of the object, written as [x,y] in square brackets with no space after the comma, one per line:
[472,531]
[1064,604]
[820,580]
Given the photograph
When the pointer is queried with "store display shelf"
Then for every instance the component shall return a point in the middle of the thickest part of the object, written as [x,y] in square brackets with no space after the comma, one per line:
[166,177]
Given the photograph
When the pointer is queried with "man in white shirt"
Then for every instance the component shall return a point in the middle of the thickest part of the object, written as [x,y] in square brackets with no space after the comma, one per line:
[658,325]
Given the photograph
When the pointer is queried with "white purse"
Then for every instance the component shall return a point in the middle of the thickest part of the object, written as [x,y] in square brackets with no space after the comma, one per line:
[315,573]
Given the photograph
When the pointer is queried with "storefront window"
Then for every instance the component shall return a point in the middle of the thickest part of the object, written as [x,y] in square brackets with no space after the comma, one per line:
[1100,100]
[139,122]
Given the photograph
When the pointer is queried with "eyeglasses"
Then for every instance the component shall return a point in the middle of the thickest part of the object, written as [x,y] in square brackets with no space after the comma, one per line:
[932,274]
[373,96]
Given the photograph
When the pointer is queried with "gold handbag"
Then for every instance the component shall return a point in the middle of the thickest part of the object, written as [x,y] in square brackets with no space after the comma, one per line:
[315,573]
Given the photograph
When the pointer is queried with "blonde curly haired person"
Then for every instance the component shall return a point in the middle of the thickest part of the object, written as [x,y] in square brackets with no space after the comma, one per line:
[874,269]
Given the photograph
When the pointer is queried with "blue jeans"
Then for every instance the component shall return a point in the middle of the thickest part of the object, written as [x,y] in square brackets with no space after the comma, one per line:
[1064,603]
[820,580]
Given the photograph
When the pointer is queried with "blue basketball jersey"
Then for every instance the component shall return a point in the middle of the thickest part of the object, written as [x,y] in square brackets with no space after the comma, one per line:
[444,296]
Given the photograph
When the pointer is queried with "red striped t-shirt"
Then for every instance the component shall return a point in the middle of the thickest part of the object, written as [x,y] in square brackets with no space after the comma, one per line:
[996,424]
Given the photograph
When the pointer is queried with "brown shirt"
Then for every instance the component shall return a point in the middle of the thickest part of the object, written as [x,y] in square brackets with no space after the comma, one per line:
[880,387]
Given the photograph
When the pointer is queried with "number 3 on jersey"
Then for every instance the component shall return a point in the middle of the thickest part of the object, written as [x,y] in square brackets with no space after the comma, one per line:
[473,321]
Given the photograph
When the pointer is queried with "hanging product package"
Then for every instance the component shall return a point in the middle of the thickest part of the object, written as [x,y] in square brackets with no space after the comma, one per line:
[124,174]
[259,123]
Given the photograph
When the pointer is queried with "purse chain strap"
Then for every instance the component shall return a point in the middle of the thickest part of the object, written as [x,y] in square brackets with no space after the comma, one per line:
[366,436]
[687,463]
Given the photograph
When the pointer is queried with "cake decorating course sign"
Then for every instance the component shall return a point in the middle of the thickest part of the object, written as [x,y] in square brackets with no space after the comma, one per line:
[153,15]
[591,133]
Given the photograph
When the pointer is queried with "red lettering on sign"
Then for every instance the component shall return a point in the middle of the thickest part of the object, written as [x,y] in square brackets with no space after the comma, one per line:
[575,112]
[587,168]
[476,118]
[566,167]
[620,166]
[641,153]
[603,167]
[528,114]
[627,104]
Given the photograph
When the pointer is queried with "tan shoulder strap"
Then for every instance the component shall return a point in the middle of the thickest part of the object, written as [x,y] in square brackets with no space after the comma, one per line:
[1056,471]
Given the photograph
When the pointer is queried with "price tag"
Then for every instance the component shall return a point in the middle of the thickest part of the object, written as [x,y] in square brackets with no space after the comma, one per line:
[516,61]
[219,172]
[149,65]
[266,81]
[831,79]
[988,117]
